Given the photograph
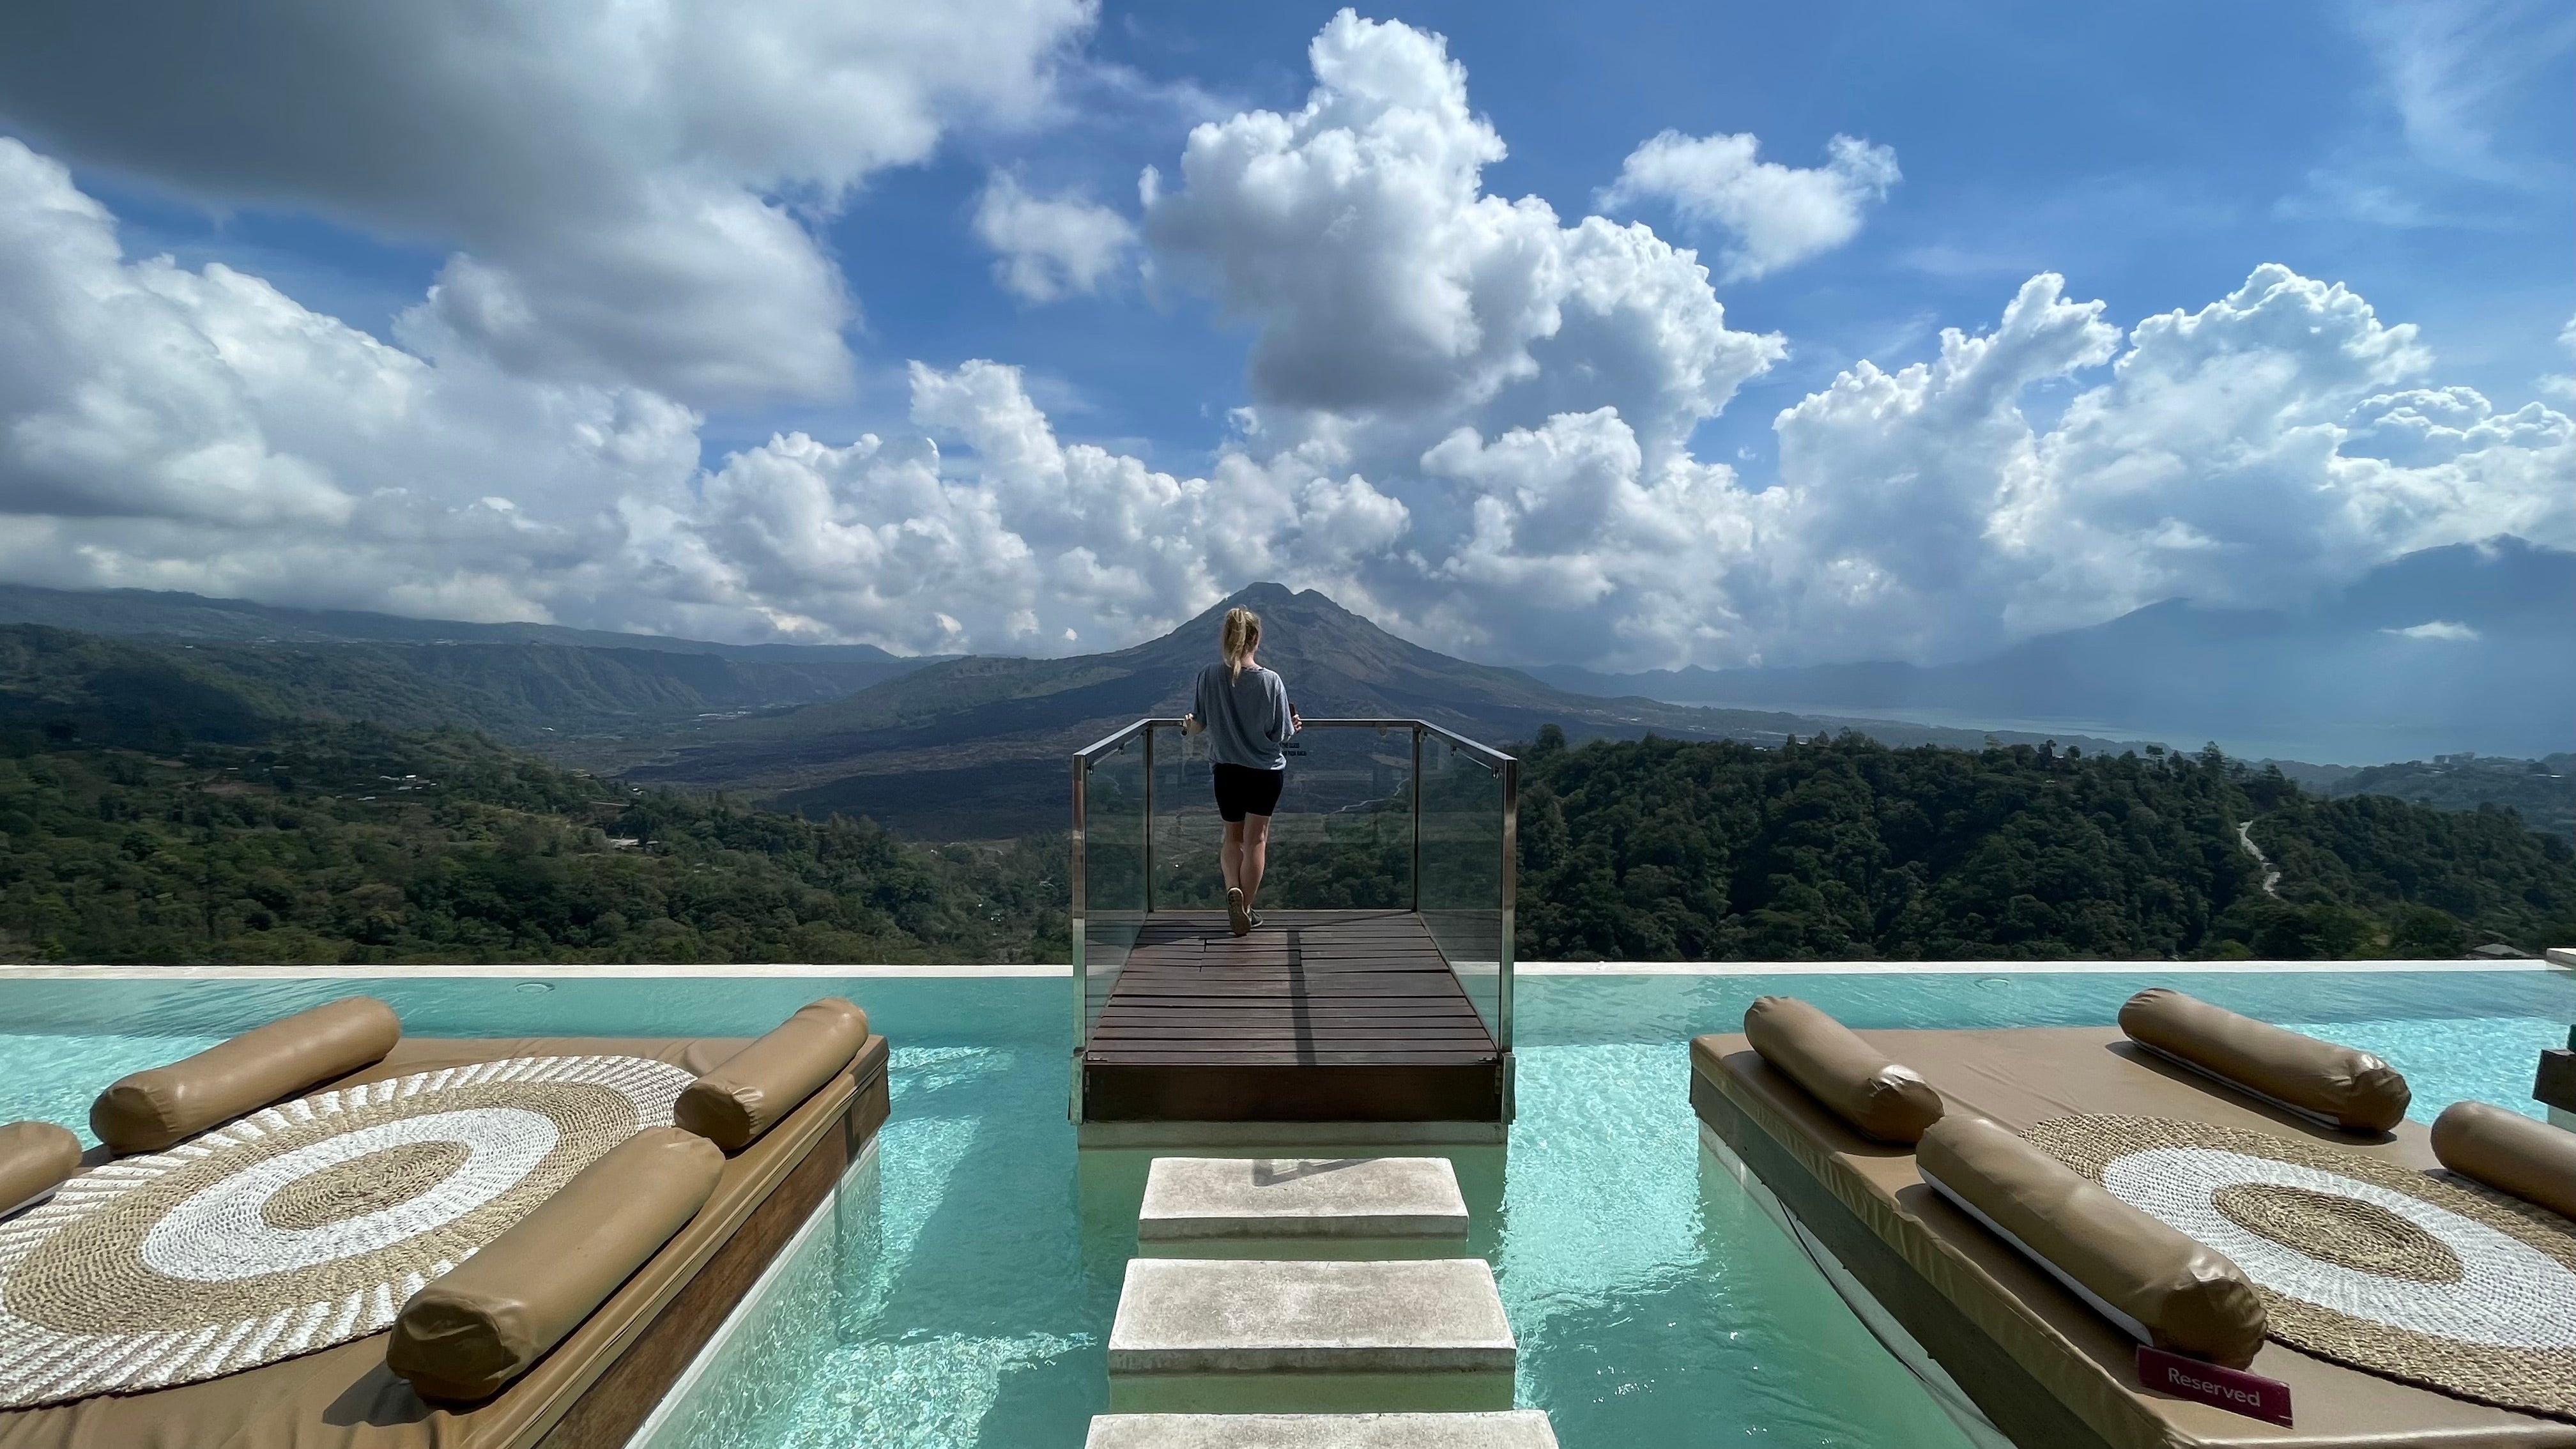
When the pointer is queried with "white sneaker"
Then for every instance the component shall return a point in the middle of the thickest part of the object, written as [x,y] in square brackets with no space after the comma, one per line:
[1237,915]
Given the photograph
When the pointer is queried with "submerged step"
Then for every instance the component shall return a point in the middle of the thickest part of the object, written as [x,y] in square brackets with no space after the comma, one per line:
[1513,1429]
[1215,1316]
[1301,1197]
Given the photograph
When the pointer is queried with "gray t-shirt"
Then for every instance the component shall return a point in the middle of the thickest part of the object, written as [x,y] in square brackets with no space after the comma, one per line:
[1246,716]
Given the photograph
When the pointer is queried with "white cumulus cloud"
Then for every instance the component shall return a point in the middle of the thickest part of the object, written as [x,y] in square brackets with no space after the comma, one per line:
[1469,418]
[2229,456]
[163,428]
[1390,290]
[1050,246]
[1778,215]
[626,184]
[2563,385]
[2444,630]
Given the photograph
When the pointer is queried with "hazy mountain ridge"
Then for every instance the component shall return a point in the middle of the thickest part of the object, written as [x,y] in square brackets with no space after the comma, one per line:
[527,683]
[155,808]
[2468,647]
[178,615]
[978,745]
[2542,792]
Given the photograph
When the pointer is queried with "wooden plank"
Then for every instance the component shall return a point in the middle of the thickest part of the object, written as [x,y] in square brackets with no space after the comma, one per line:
[1396,1031]
[1219,1005]
[1421,1015]
[1204,1021]
[1288,976]
[1354,1055]
[1222,1050]
[1355,966]
[1290,988]
[1414,1026]
[1294,1093]
[1286,1031]
[1318,1016]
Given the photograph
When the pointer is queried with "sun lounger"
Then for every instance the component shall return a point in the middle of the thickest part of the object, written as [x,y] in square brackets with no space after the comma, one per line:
[601,1379]
[2046,1367]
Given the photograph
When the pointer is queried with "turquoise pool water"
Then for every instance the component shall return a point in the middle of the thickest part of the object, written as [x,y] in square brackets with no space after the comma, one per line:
[962,1288]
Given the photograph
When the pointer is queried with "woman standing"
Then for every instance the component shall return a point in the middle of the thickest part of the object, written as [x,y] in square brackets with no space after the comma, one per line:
[1244,710]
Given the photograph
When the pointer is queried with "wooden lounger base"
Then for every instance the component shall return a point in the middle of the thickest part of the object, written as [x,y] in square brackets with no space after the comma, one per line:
[594,1389]
[618,1402]
[2009,1395]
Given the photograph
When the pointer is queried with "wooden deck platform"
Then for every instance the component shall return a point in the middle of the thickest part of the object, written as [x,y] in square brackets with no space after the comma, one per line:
[1319,1016]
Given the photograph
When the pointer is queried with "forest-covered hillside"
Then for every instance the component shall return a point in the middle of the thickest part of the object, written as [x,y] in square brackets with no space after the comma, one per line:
[536,693]
[1844,848]
[329,842]
[2542,792]
[153,808]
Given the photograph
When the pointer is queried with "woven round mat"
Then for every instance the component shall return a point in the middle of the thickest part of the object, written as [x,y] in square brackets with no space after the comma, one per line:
[2437,1282]
[298,1227]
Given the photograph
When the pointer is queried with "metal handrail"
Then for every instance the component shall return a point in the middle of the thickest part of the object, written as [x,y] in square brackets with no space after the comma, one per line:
[1489,757]
[1493,760]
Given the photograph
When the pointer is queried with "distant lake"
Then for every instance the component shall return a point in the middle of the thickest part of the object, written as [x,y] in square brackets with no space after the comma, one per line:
[2359,743]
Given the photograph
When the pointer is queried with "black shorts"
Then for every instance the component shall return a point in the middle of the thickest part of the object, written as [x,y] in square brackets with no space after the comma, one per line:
[1242,790]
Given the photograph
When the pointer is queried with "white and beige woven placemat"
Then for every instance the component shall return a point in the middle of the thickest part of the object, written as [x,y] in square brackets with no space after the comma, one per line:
[298,1227]
[2439,1283]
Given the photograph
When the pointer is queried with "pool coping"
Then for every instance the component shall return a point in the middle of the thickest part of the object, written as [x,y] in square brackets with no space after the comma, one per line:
[2560,959]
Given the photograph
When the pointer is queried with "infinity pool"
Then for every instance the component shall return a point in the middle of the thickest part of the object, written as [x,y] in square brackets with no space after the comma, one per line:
[960,1289]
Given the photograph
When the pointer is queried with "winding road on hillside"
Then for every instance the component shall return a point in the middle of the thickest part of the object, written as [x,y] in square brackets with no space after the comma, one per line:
[2271,874]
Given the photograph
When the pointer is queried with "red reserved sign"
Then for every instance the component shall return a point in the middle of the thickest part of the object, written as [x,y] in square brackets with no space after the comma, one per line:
[2234,1390]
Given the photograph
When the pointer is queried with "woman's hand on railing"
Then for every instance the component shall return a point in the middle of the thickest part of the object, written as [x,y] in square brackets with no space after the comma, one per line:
[1190,725]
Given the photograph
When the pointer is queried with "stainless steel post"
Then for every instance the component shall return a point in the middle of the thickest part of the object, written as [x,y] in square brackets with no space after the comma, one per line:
[1149,819]
[1511,892]
[1417,820]
[1077,881]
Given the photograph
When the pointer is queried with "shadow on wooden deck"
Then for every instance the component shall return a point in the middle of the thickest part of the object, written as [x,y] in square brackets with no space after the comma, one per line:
[1319,1016]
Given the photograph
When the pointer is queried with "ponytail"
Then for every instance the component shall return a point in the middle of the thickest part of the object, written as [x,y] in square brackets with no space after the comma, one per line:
[1242,631]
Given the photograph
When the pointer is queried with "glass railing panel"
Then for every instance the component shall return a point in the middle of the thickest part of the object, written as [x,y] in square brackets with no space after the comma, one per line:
[1187,833]
[1109,901]
[1341,839]
[1465,798]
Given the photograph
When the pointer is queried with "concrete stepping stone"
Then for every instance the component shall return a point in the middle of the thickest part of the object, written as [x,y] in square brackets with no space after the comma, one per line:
[1212,1198]
[1513,1429]
[1252,1317]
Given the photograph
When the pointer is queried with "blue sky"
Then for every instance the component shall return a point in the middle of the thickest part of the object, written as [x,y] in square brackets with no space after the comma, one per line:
[2417,163]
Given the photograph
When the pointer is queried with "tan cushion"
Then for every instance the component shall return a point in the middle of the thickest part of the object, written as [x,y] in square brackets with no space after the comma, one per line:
[2335,1084]
[2158,1285]
[746,1096]
[2510,1153]
[470,1333]
[1854,1080]
[35,1158]
[151,1110]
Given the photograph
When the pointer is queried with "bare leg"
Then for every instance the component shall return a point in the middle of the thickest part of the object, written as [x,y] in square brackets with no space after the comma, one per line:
[1230,855]
[1255,857]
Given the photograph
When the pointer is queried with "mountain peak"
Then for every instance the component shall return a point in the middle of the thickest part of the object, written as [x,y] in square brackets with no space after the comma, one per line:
[1264,595]
[1308,609]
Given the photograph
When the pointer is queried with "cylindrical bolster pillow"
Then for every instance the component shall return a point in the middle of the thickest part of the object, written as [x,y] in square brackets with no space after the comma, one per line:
[35,1157]
[1854,1080]
[470,1333]
[746,1096]
[2505,1150]
[151,1110]
[2161,1286]
[2336,1084]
